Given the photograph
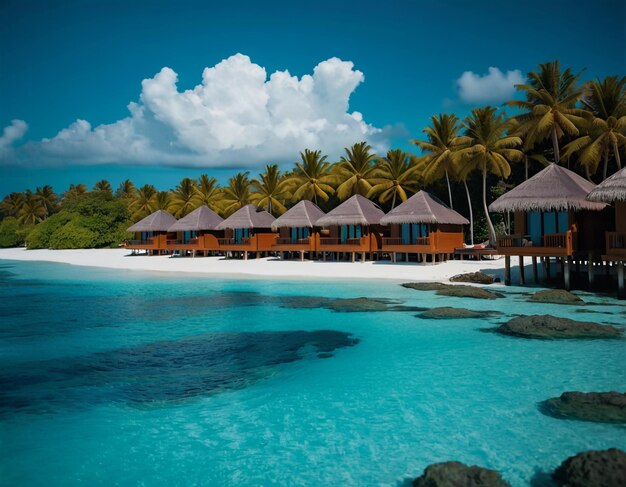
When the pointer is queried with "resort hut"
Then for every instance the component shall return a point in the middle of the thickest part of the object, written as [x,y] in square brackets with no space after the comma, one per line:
[249,229]
[353,227]
[423,225]
[151,233]
[296,229]
[552,218]
[613,191]
[196,232]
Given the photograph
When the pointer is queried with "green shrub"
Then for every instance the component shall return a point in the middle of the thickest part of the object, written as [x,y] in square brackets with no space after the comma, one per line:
[9,233]
[72,236]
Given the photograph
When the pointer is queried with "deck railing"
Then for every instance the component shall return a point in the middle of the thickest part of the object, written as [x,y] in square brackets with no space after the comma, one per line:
[615,242]
[290,241]
[552,240]
[401,241]
[338,241]
[191,241]
[140,242]
[232,241]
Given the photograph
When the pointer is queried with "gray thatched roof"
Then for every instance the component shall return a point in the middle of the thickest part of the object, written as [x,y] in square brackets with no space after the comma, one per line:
[356,210]
[202,218]
[249,216]
[423,207]
[611,189]
[553,188]
[159,221]
[304,214]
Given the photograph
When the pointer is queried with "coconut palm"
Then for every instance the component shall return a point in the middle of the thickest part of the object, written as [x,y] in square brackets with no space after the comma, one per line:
[438,147]
[75,190]
[270,190]
[32,210]
[126,189]
[237,194]
[103,185]
[142,204]
[184,198]
[550,106]
[162,200]
[208,192]
[48,199]
[354,171]
[311,178]
[605,132]
[485,146]
[394,177]
[11,204]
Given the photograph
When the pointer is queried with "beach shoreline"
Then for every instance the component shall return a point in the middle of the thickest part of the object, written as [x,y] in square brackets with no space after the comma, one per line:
[265,267]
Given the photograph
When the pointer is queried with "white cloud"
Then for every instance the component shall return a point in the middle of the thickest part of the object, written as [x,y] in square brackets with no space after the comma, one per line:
[236,116]
[495,86]
[11,133]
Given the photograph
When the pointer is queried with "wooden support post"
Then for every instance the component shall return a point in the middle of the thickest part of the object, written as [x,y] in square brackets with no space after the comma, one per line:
[245,255]
[534,260]
[522,278]
[590,272]
[302,256]
[362,257]
[621,291]
[353,256]
[567,264]
[507,270]
[547,267]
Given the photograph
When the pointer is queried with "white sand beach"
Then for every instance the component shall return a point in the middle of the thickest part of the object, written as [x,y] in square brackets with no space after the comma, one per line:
[267,267]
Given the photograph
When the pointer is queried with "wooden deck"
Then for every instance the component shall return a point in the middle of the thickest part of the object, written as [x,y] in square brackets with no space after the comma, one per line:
[552,245]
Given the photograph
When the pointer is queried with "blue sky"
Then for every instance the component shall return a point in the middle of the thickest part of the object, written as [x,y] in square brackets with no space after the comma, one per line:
[66,61]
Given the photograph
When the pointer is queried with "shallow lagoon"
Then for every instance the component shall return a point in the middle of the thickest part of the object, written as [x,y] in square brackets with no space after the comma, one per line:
[144,378]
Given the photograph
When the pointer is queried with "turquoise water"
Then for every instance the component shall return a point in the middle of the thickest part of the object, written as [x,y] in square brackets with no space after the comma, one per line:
[132,378]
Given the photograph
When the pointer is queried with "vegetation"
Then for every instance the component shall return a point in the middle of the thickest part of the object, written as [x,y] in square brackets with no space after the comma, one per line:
[559,119]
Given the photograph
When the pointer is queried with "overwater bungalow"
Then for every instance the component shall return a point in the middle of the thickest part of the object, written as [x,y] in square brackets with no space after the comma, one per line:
[423,225]
[353,227]
[151,233]
[296,229]
[613,191]
[552,219]
[247,230]
[196,232]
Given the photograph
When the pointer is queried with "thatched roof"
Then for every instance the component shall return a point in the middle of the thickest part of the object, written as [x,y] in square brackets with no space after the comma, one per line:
[611,189]
[202,218]
[356,210]
[304,214]
[423,207]
[159,221]
[249,216]
[552,189]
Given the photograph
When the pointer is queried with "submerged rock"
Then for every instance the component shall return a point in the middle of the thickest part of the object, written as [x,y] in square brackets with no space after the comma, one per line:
[474,277]
[352,305]
[447,312]
[595,468]
[551,327]
[346,305]
[555,296]
[459,290]
[602,407]
[456,474]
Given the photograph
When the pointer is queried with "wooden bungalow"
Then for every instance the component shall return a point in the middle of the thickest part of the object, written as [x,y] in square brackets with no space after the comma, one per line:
[151,233]
[247,230]
[613,191]
[196,232]
[552,218]
[353,227]
[296,229]
[423,225]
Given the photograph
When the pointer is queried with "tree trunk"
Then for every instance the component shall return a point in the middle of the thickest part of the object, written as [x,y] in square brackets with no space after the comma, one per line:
[555,146]
[606,163]
[393,202]
[525,168]
[587,175]
[449,190]
[471,213]
[618,161]
[492,231]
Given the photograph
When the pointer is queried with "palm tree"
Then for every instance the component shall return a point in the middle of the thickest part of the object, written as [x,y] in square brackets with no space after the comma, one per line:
[162,200]
[75,190]
[11,204]
[605,130]
[550,106]
[311,178]
[142,204]
[270,190]
[48,199]
[439,149]
[486,147]
[103,185]
[237,194]
[126,189]
[394,176]
[32,209]
[208,192]
[184,198]
[354,171]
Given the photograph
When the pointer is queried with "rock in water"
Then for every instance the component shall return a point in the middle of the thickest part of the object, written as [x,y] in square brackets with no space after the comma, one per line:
[448,312]
[556,296]
[551,327]
[603,407]
[425,286]
[474,277]
[603,468]
[459,291]
[456,474]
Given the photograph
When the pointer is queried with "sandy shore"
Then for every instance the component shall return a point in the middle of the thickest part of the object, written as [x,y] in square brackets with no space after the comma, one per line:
[268,267]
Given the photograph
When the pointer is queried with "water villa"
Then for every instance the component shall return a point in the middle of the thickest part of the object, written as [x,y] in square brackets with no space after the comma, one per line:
[353,227]
[423,225]
[151,233]
[297,231]
[613,191]
[552,219]
[196,232]
[249,229]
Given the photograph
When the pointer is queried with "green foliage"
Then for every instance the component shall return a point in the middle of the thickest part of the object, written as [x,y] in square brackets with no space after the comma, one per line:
[9,233]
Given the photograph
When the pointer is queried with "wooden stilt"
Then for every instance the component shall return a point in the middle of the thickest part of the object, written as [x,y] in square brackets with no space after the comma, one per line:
[567,264]
[245,255]
[522,278]
[590,272]
[362,257]
[302,256]
[547,267]
[534,260]
[621,291]
[507,270]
